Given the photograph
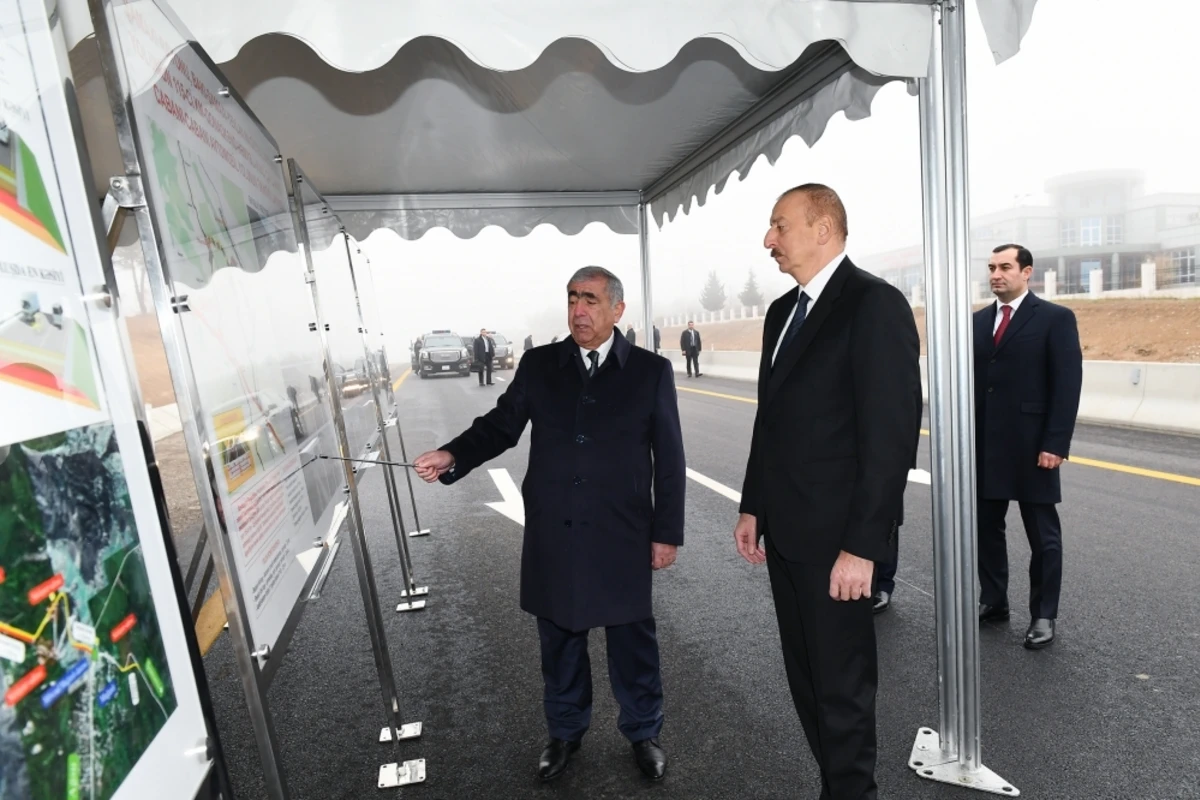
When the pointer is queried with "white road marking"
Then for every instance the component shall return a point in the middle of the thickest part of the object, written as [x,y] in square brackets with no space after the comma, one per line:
[914,476]
[512,506]
[502,380]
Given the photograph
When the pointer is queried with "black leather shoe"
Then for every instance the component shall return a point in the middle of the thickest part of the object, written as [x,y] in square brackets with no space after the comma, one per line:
[882,602]
[651,759]
[1040,634]
[554,758]
[993,613]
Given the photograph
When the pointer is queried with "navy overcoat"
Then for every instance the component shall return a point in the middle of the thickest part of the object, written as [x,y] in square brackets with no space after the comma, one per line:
[606,478]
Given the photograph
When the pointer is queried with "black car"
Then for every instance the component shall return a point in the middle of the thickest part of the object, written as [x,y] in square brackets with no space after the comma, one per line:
[506,353]
[443,353]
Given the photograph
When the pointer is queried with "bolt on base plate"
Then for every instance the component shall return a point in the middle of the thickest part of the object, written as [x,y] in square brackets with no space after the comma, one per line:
[414,605]
[422,532]
[410,731]
[420,591]
[929,762]
[406,774]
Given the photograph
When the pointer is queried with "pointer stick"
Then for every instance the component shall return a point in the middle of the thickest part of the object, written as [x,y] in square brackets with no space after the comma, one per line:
[370,461]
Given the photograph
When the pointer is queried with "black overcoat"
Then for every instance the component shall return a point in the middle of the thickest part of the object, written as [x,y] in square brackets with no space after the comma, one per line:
[1026,399]
[606,478]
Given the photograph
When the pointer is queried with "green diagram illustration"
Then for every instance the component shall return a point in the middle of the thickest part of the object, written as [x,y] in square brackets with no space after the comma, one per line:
[24,200]
[83,668]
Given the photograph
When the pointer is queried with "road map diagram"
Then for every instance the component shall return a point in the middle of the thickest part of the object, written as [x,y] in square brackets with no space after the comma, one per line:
[83,668]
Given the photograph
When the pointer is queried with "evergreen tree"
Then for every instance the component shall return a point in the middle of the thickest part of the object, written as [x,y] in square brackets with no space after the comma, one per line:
[713,296]
[751,296]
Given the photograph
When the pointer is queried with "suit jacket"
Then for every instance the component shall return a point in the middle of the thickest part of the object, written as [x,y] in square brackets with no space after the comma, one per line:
[606,478]
[838,422]
[481,353]
[1026,399]
[687,348]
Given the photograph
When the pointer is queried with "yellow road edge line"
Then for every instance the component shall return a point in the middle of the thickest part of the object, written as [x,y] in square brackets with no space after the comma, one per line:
[211,622]
[400,380]
[1111,466]
[750,400]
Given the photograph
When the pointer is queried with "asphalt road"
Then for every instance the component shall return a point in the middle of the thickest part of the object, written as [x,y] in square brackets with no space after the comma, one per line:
[1112,710]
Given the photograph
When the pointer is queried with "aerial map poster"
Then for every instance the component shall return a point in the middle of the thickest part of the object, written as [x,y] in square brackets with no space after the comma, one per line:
[98,693]
[218,195]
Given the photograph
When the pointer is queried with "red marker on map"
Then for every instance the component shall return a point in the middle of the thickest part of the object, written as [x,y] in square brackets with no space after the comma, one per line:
[43,590]
[123,627]
[17,692]
[1,574]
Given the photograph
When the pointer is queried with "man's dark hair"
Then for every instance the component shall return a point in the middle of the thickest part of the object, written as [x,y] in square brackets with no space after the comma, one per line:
[822,201]
[1024,257]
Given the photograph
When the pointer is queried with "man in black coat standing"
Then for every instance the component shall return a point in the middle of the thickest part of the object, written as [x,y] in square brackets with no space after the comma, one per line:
[604,497]
[485,350]
[839,415]
[1028,377]
[689,343]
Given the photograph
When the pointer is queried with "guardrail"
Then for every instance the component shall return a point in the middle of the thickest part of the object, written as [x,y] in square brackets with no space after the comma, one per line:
[1139,394]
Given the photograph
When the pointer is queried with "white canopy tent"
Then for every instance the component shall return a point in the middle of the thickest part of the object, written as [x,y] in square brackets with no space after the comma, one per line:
[468,113]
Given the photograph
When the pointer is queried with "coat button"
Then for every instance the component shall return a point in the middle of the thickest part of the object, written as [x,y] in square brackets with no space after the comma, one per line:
[577,480]
[567,523]
[580,439]
[989,388]
[993,361]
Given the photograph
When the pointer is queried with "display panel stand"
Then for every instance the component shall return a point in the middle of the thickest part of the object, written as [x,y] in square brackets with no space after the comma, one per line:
[257,662]
[395,773]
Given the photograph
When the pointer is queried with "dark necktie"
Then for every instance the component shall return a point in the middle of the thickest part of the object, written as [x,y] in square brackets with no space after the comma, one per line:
[1007,312]
[797,321]
[594,359]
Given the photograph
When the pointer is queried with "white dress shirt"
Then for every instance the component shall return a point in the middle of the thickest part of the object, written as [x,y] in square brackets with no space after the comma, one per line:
[813,289]
[602,350]
[1014,305]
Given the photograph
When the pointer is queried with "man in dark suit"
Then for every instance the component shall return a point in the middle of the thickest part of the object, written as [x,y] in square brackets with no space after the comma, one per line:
[485,350]
[689,343]
[631,335]
[657,339]
[1028,376]
[604,497]
[838,418]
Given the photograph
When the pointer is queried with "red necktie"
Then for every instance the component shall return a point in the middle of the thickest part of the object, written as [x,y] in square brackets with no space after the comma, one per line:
[1007,311]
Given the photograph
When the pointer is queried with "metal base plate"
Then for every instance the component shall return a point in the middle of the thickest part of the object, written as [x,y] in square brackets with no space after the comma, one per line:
[929,762]
[410,731]
[413,605]
[420,591]
[406,774]
[422,532]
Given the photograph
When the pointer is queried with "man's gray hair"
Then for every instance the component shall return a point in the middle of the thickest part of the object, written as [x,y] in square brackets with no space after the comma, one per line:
[616,290]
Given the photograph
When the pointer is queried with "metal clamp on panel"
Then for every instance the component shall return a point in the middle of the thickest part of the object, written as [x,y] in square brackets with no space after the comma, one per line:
[127,191]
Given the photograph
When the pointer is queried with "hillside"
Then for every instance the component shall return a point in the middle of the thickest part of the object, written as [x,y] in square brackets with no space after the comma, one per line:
[1109,330]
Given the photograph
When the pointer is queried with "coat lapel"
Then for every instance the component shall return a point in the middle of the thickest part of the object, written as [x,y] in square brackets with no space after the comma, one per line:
[772,330]
[817,314]
[1023,314]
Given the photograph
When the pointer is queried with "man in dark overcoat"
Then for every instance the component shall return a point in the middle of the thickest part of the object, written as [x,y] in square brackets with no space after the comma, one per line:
[604,495]
[1028,377]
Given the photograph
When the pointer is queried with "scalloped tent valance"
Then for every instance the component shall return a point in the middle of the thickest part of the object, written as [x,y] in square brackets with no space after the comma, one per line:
[404,112]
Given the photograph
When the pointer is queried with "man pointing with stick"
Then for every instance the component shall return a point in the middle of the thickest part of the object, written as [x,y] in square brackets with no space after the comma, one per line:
[603,496]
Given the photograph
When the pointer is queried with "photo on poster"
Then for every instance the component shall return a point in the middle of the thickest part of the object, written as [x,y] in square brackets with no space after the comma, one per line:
[82,662]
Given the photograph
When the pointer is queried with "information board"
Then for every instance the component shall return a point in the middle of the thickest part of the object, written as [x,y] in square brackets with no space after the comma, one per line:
[100,698]
[339,307]
[216,188]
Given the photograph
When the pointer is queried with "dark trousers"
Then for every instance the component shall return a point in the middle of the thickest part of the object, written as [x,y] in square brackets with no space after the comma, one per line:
[485,364]
[633,671]
[829,654]
[885,571]
[692,357]
[1044,531]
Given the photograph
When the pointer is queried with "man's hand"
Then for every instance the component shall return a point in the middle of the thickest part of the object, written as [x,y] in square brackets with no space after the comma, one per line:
[662,555]
[851,577]
[433,465]
[1049,461]
[745,534]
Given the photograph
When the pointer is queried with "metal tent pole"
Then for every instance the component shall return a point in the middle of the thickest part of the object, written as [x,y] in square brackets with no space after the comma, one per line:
[954,756]
[644,250]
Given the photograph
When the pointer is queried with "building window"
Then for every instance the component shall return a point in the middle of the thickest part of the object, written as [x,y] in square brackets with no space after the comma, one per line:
[1090,231]
[1183,265]
[1068,233]
[1114,230]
